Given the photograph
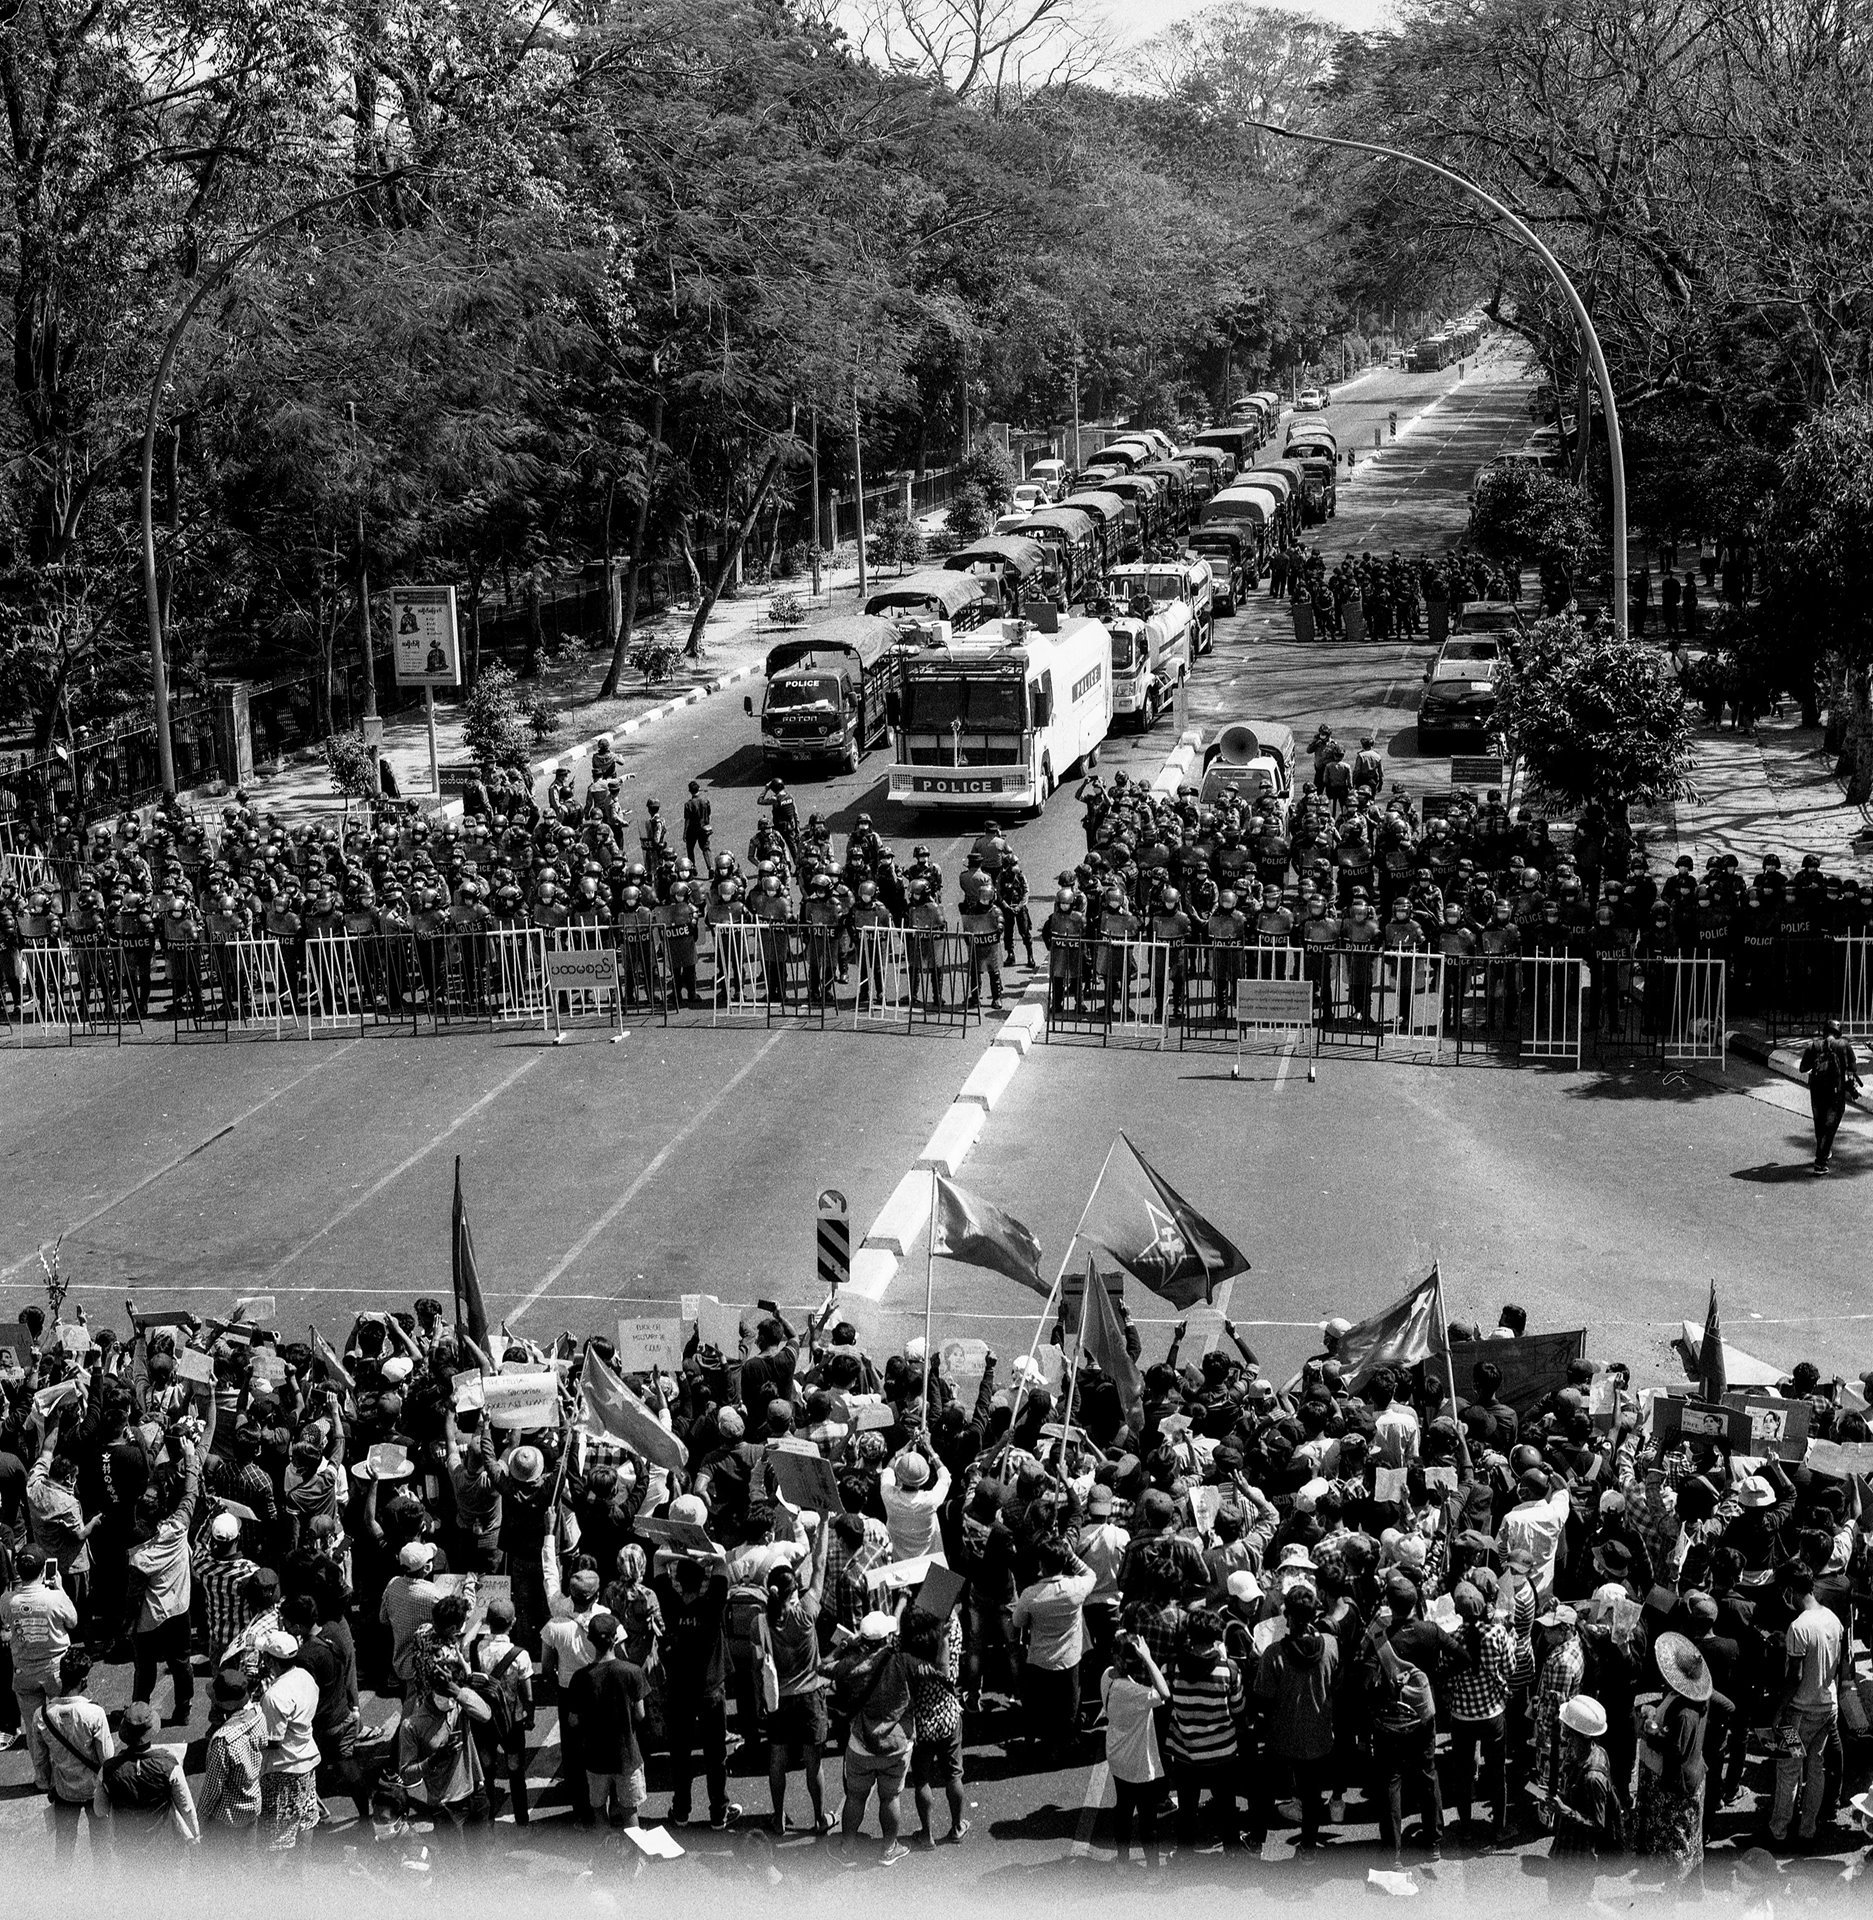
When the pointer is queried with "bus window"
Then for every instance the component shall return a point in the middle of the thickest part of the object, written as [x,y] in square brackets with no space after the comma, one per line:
[1044,701]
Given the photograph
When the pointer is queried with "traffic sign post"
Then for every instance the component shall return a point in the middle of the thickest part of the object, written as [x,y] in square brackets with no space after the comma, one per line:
[835,1239]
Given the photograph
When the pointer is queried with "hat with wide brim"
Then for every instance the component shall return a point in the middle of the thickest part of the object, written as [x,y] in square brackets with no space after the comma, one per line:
[363,1470]
[1754,1491]
[1682,1666]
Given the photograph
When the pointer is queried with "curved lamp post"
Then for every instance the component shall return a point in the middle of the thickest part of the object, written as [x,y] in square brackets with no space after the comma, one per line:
[1609,407]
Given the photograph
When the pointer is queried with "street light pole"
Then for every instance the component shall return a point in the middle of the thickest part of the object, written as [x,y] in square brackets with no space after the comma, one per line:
[1616,459]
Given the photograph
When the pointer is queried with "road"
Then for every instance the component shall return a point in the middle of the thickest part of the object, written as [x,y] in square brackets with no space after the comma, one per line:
[603,1177]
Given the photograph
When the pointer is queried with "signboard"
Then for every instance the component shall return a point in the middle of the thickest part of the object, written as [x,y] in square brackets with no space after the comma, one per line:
[581,970]
[518,1397]
[17,1344]
[1777,1427]
[422,637]
[678,1536]
[1532,1367]
[465,1389]
[265,1364]
[805,1480]
[1476,770]
[458,779]
[959,783]
[1840,1460]
[652,1340]
[258,1308]
[75,1338]
[939,1593]
[193,1364]
[964,1362]
[1275,1003]
[719,1325]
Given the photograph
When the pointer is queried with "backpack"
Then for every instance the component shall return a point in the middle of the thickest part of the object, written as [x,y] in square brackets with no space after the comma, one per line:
[507,1718]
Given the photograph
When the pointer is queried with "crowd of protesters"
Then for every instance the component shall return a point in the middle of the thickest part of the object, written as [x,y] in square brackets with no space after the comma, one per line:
[1260,1604]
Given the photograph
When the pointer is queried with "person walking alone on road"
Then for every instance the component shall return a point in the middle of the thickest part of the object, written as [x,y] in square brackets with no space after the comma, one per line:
[697,817]
[1833,1074]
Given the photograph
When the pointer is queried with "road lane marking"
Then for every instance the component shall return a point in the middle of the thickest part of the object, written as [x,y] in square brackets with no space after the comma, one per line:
[169,1166]
[1089,1809]
[650,1172]
[399,1170]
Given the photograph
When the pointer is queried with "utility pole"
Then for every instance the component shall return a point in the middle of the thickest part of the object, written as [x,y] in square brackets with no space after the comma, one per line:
[1074,463]
[1615,452]
[816,519]
[858,494]
[370,724]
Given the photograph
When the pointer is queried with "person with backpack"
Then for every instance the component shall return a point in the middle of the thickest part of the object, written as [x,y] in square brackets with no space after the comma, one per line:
[872,1682]
[1833,1074]
[1587,1817]
[504,1679]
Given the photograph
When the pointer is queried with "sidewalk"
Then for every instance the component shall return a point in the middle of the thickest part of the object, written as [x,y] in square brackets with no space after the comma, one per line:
[735,643]
[1774,792]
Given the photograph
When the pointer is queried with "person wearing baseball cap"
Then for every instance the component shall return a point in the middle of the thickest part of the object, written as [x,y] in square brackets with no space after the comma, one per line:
[143,1798]
[409,1600]
[872,1676]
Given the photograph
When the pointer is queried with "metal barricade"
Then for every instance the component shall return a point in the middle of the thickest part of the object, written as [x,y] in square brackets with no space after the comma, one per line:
[802,970]
[939,978]
[646,977]
[260,982]
[1411,1002]
[335,996]
[881,975]
[1346,983]
[1077,1004]
[1855,965]
[516,981]
[1146,988]
[46,984]
[1556,999]
[1696,1029]
[738,967]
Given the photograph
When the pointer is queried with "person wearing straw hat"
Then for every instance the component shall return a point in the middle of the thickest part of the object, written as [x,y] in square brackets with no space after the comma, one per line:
[1586,1809]
[1668,1819]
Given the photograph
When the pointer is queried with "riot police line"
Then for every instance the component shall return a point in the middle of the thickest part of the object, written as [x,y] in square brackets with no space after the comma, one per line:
[743,972]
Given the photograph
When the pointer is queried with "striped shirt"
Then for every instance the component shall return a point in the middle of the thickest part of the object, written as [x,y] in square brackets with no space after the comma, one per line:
[1205,1706]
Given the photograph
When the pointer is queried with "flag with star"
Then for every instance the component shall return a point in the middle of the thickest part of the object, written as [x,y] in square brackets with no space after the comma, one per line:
[1139,1219]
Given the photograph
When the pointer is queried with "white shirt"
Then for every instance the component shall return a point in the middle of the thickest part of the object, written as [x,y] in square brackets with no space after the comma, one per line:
[1538,1526]
[1395,1434]
[286,1709]
[911,1513]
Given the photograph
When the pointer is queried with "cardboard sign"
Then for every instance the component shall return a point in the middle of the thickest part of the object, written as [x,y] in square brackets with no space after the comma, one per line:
[898,1576]
[465,1389]
[805,1480]
[1441,1476]
[719,1325]
[257,1308]
[1674,1419]
[1205,1504]
[1777,1427]
[878,1419]
[964,1363]
[194,1365]
[1389,1484]
[522,1397]
[17,1345]
[1840,1459]
[76,1339]
[653,1340]
[678,1536]
[1532,1367]
[265,1364]
[939,1593]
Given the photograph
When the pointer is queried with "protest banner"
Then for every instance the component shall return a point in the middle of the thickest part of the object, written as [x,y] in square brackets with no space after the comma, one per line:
[805,1480]
[1675,1419]
[1532,1367]
[650,1340]
[1840,1459]
[521,1397]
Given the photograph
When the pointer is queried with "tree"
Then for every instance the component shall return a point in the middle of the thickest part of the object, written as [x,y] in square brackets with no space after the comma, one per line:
[969,513]
[1519,513]
[1595,719]
[1818,560]
[899,539]
[989,470]
[497,724]
[996,51]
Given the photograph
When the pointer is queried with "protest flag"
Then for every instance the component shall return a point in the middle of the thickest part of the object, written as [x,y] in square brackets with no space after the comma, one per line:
[471,1316]
[609,1410]
[1154,1233]
[1102,1338]
[328,1356]
[1406,1332]
[980,1234]
[1713,1379]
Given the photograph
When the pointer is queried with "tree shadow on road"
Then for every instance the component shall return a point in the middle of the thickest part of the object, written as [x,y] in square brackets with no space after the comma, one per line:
[1647,1080]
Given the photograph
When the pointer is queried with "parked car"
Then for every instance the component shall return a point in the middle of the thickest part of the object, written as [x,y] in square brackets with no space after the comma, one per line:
[1457,709]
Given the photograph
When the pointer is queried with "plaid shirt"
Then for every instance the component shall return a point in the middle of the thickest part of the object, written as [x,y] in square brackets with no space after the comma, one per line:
[224,1612]
[1563,1677]
[1161,1629]
[1476,1692]
[1653,1515]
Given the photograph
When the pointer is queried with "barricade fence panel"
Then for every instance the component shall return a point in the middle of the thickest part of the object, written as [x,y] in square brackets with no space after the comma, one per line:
[1611,1009]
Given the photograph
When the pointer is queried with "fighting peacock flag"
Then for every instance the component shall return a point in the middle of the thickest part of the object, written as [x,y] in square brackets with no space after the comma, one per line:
[1409,1330]
[609,1410]
[1154,1233]
[980,1234]
[471,1316]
